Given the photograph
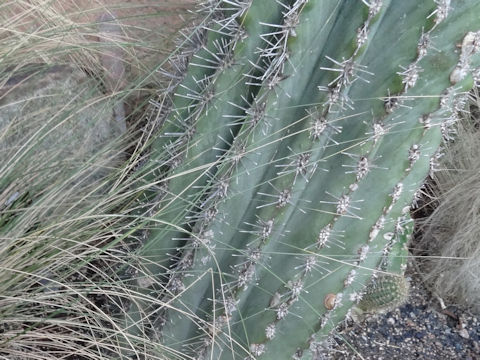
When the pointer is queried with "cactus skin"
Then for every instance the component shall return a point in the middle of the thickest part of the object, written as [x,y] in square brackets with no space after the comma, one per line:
[333,129]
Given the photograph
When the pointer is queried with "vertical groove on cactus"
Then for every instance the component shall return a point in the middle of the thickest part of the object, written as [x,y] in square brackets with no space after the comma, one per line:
[302,131]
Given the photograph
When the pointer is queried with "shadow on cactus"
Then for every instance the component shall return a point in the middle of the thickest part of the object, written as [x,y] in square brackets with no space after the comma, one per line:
[294,145]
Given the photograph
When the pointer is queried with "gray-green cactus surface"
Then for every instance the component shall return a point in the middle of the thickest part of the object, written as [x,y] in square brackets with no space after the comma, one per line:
[295,144]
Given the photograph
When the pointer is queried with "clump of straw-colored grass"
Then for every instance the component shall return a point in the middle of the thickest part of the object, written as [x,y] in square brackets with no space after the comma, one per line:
[69,227]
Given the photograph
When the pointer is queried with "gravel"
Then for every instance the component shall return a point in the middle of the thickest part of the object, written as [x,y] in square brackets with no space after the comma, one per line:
[420,329]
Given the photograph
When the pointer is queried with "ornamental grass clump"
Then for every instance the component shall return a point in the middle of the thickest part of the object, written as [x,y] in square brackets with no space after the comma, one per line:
[448,245]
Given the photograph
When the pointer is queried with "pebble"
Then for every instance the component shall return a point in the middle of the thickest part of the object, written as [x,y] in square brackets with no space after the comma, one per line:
[464,333]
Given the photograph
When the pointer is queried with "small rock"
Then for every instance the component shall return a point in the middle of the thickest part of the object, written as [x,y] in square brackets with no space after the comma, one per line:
[464,333]
[391,321]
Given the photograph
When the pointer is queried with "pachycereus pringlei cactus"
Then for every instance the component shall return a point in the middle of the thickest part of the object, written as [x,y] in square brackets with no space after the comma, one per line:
[294,145]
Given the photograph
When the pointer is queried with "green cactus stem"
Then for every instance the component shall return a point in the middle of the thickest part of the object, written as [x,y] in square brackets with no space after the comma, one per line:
[299,155]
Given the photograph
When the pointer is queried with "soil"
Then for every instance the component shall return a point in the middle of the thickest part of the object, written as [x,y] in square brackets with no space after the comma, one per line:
[425,327]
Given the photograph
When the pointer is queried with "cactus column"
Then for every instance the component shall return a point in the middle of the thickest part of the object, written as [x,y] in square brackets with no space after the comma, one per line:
[300,150]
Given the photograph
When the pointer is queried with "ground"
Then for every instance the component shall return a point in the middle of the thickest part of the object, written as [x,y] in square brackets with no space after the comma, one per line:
[420,329]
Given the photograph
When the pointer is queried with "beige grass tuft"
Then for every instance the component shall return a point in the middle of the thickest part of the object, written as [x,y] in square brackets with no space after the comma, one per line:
[451,234]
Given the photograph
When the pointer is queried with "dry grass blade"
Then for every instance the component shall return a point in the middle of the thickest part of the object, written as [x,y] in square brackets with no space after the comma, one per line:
[68,215]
